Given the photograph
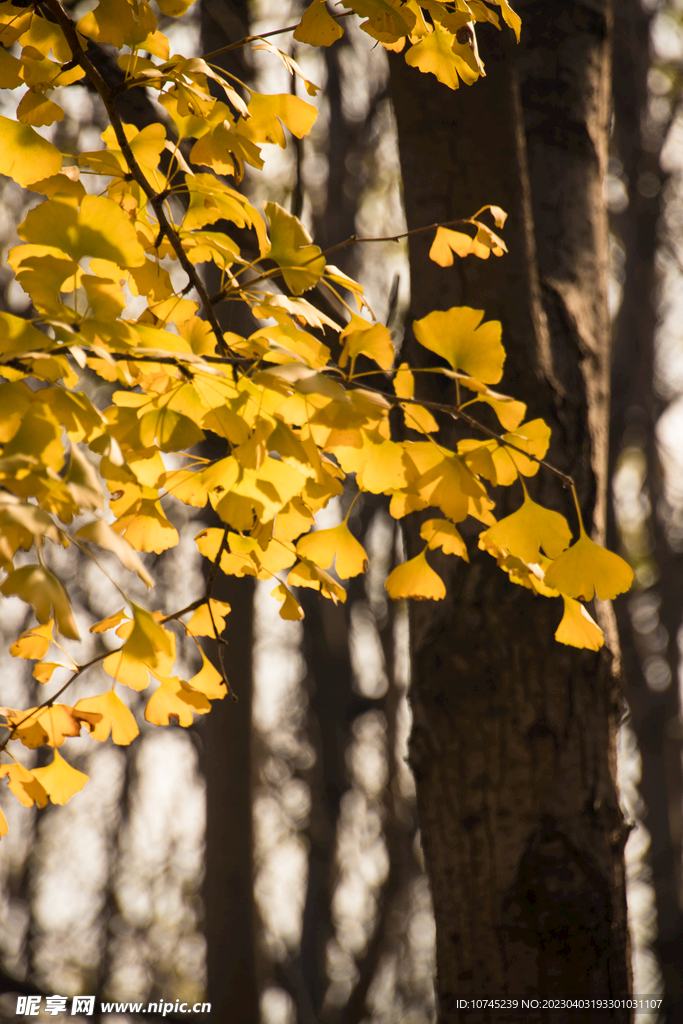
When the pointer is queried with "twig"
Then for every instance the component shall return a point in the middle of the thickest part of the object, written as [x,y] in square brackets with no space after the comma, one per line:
[264,35]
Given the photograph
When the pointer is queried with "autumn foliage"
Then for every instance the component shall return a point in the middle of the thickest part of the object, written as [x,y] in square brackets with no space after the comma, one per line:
[141,217]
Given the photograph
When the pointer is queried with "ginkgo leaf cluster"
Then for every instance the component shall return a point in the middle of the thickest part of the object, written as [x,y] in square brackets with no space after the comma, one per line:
[293,424]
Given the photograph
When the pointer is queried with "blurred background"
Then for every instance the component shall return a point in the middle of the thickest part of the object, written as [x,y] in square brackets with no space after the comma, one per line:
[268,859]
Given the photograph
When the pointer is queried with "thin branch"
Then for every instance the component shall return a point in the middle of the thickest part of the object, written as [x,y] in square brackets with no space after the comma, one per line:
[157,203]
[353,239]
[50,701]
[264,35]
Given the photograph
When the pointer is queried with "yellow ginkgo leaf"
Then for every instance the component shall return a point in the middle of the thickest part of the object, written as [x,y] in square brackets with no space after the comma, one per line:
[60,780]
[99,228]
[322,546]
[509,411]
[146,527]
[266,113]
[306,574]
[3,825]
[362,338]
[526,531]
[447,242]
[110,622]
[209,681]
[291,247]
[25,155]
[442,533]
[532,437]
[26,788]
[101,533]
[127,670]
[318,27]
[291,609]
[456,336]
[44,592]
[201,623]
[435,53]
[114,717]
[150,643]
[416,579]
[34,642]
[44,670]
[173,702]
[446,480]
[36,109]
[578,628]
[587,568]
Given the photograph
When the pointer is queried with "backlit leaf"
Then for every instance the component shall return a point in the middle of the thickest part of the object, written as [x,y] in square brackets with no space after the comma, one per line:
[586,568]
[24,155]
[60,780]
[114,718]
[291,248]
[291,609]
[99,228]
[578,628]
[318,27]
[442,533]
[447,242]
[44,670]
[323,546]
[362,338]
[439,54]
[209,681]
[527,531]
[457,336]
[101,534]
[33,642]
[46,595]
[25,786]
[416,579]
[173,702]
[201,624]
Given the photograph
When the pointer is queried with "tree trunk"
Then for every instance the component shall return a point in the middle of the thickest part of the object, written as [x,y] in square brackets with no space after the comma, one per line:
[513,744]
[635,411]
[225,760]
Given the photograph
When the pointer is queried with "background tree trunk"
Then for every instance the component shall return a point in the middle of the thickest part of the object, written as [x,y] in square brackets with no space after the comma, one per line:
[513,741]
[649,624]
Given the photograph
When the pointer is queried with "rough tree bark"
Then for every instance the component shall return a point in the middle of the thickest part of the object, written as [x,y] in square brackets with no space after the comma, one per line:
[513,739]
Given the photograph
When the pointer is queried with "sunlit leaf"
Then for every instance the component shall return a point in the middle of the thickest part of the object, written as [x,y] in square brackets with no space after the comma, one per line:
[578,628]
[291,248]
[586,568]
[416,579]
[527,531]
[114,718]
[291,609]
[442,533]
[318,27]
[324,546]
[60,780]
[173,702]
[46,595]
[24,154]
[460,338]
[25,786]
[201,623]
[209,681]
[33,642]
